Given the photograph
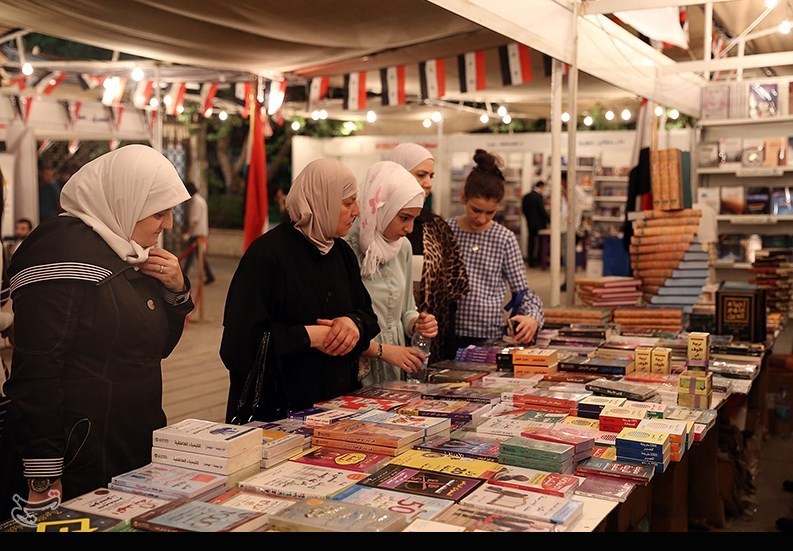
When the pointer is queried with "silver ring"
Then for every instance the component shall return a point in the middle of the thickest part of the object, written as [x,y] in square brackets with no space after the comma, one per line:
[160,268]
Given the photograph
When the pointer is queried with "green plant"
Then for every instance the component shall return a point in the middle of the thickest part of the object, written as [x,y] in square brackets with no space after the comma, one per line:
[225,210]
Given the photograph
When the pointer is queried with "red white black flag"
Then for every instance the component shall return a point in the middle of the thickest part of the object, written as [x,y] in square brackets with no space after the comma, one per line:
[432,76]
[515,64]
[89,81]
[393,83]
[242,94]
[317,89]
[114,90]
[275,96]
[46,84]
[355,91]
[174,99]
[208,92]
[472,71]
[142,94]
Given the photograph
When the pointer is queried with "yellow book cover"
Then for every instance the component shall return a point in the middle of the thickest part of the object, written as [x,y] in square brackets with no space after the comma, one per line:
[644,436]
[442,463]
[581,422]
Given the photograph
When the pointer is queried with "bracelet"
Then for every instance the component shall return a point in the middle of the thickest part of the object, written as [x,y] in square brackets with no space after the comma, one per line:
[379,351]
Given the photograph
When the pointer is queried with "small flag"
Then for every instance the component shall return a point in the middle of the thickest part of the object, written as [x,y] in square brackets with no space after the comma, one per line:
[515,64]
[72,108]
[393,82]
[89,81]
[142,95]
[355,91]
[118,113]
[73,146]
[432,77]
[48,82]
[114,90]
[208,92]
[18,83]
[255,216]
[472,71]
[44,145]
[242,94]
[275,98]
[174,99]
[317,89]
[547,65]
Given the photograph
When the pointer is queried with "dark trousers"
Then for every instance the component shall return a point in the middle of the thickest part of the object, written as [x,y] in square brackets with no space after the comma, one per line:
[533,256]
[188,261]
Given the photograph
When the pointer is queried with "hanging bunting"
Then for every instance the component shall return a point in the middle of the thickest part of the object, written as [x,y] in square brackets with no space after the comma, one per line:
[118,113]
[354,91]
[317,89]
[174,99]
[515,64]
[432,77]
[44,145]
[393,83]
[114,90]
[89,81]
[113,144]
[472,71]
[73,146]
[208,92]
[142,94]
[242,95]
[18,83]
[276,95]
[46,84]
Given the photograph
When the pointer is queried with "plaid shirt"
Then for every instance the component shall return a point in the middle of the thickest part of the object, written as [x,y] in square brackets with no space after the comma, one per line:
[493,261]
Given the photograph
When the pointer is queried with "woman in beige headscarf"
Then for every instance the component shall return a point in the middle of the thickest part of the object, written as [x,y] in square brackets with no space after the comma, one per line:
[301,282]
[97,306]
[391,199]
[443,279]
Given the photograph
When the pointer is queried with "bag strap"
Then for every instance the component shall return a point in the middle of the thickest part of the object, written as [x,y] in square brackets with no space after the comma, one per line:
[252,390]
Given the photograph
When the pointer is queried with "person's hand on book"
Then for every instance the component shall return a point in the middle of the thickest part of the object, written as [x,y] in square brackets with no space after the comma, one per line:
[342,336]
[406,358]
[525,328]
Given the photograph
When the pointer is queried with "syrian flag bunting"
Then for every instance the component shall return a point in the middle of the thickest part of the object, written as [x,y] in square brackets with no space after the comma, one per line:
[355,91]
[276,95]
[242,94]
[393,83]
[317,89]
[89,81]
[48,82]
[142,95]
[515,64]
[472,71]
[73,146]
[174,99]
[114,90]
[19,83]
[432,76]
[208,92]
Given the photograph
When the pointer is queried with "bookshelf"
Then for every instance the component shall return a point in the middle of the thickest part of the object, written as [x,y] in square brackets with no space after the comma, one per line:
[609,200]
[742,166]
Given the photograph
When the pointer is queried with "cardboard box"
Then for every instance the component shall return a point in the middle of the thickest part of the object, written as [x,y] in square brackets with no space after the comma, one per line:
[642,359]
[661,360]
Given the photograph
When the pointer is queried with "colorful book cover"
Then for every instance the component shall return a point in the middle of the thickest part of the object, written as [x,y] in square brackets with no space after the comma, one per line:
[325,515]
[479,519]
[358,446]
[207,437]
[184,515]
[113,503]
[329,416]
[421,482]
[291,479]
[444,463]
[604,467]
[349,401]
[456,410]
[534,505]
[207,463]
[58,519]
[411,505]
[169,481]
[362,462]
[534,480]
[252,501]
[430,425]
[462,447]
[469,394]
[370,433]
[604,487]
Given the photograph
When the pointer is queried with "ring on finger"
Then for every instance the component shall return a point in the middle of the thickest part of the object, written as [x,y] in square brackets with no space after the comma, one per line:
[161,268]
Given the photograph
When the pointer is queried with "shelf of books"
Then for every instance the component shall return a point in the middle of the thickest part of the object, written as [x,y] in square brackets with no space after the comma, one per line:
[609,200]
[745,157]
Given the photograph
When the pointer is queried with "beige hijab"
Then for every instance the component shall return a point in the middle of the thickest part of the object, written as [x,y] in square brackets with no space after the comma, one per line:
[114,192]
[314,200]
[387,189]
[409,155]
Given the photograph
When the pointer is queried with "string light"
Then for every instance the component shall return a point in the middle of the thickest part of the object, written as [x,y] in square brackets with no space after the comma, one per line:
[437,117]
[295,126]
[674,114]
[506,119]
[483,118]
[588,121]
[137,74]
[27,69]
[565,116]
[502,111]
[626,115]
[427,123]
[371,116]
[223,115]
[609,115]
[659,111]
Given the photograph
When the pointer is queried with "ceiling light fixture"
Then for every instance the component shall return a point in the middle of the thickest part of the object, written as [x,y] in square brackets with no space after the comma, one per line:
[27,69]
[426,123]
[137,74]
[371,116]
[565,116]
[483,118]
[609,115]
[588,121]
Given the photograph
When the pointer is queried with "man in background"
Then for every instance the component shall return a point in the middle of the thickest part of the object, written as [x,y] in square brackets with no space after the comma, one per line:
[49,194]
[197,231]
[533,206]
[22,228]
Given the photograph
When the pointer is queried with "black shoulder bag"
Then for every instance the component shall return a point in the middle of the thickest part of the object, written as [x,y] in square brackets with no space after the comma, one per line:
[251,397]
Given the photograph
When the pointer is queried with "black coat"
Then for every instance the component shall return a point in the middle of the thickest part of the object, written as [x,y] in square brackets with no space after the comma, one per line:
[281,285]
[533,206]
[90,335]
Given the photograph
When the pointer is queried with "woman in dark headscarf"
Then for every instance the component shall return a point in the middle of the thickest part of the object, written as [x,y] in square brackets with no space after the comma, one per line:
[301,282]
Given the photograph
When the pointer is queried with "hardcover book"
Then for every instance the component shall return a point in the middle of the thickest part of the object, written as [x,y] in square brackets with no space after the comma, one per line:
[184,515]
[325,515]
[422,482]
[534,505]
[411,505]
[207,437]
[763,100]
[113,503]
[292,479]
[444,463]
[362,462]
[479,519]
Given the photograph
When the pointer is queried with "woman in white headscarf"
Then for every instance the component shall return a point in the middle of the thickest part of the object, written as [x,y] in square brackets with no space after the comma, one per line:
[301,282]
[443,279]
[390,201]
[97,306]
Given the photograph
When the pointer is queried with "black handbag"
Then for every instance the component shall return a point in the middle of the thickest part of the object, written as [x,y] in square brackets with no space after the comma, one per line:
[250,400]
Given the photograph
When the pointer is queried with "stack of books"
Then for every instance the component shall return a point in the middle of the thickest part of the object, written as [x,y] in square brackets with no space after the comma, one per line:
[477,354]
[301,481]
[646,318]
[608,291]
[362,462]
[479,395]
[534,361]
[596,364]
[325,515]
[187,515]
[537,454]
[772,271]
[534,480]
[458,411]
[447,463]
[413,506]
[558,316]
[591,406]
[633,472]
[433,427]
[681,434]
[113,503]
[460,445]
[317,416]
[616,418]
[621,389]
[514,426]
[354,435]
[582,444]
[358,403]
[422,482]
[169,482]
[278,445]
[218,448]
[546,400]
[644,447]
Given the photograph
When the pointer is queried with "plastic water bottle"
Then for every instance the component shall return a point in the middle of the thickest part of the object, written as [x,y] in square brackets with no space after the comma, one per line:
[421,344]
[782,413]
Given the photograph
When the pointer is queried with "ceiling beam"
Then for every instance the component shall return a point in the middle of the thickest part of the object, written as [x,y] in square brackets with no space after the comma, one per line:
[604,7]
[745,62]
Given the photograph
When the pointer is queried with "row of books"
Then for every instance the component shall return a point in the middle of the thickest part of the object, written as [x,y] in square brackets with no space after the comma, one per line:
[762,99]
[774,201]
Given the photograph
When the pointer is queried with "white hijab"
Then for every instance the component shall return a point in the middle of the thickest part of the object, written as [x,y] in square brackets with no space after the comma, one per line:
[409,155]
[114,192]
[387,189]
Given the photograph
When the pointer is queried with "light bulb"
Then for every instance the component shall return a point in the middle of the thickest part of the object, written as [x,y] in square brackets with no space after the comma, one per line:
[565,116]
[137,74]
[315,115]
[626,115]
[437,117]
[295,126]
[502,111]
[609,115]
[223,115]
[323,114]
[349,125]
[371,116]
[507,119]
[427,123]
[154,102]
[588,121]
[784,27]
[483,118]
[27,69]
[674,114]
[659,111]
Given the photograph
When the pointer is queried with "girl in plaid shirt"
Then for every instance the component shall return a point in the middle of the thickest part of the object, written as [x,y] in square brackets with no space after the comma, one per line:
[493,262]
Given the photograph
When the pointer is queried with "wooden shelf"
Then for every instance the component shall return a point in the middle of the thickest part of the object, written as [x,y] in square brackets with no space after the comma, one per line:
[611,198]
[745,121]
[750,219]
[611,179]
[748,172]
[596,218]
[732,265]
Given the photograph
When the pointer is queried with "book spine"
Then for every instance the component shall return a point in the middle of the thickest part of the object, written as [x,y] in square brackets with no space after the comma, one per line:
[355,446]
[593,368]
[190,443]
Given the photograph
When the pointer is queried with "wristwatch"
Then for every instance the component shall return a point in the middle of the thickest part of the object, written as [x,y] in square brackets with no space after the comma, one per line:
[40,485]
